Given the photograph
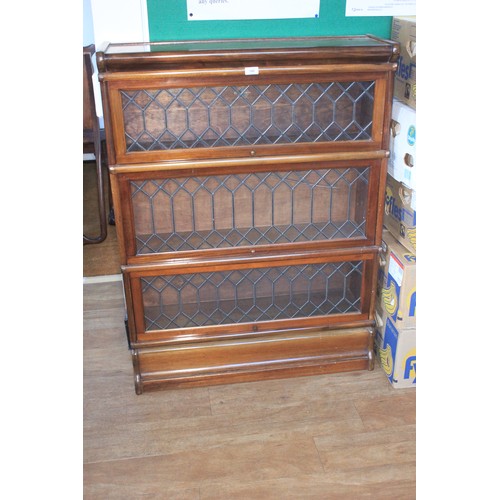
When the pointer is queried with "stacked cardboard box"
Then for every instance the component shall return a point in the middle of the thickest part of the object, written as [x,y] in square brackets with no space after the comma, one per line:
[397,291]
[404,31]
[397,312]
[401,196]
[403,145]
[400,216]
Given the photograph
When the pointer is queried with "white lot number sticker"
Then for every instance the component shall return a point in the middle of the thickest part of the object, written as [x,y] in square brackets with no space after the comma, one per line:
[396,269]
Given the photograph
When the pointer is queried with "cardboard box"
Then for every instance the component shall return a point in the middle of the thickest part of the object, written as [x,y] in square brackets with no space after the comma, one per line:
[400,216]
[397,354]
[403,145]
[404,31]
[397,284]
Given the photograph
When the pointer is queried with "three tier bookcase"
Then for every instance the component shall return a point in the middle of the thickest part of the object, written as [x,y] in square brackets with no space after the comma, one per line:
[248,181]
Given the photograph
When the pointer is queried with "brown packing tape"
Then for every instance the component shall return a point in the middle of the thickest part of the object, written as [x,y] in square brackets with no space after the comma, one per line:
[408,159]
[405,195]
[411,48]
[395,128]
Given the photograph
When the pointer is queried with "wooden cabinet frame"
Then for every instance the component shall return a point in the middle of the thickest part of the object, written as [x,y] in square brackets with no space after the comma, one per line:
[248,179]
[363,317]
[124,176]
[277,76]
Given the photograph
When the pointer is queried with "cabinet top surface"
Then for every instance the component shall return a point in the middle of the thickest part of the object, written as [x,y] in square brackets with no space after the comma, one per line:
[244,44]
[357,48]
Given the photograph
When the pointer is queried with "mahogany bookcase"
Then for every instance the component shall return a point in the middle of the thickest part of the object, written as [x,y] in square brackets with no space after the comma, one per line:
[248,180]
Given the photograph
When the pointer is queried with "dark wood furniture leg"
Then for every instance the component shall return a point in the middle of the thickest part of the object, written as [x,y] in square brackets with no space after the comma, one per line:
[92,141]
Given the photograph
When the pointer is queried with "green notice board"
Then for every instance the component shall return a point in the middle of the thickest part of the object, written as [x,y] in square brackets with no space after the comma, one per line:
[168,21]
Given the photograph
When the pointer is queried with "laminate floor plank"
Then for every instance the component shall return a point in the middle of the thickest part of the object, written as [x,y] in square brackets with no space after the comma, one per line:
[395,482]
[162,437]
[369,449]
[393,410]
[345,435]
[109,296]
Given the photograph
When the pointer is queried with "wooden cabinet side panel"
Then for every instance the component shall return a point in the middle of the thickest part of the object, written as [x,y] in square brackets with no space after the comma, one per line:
[124,216]
[109,132]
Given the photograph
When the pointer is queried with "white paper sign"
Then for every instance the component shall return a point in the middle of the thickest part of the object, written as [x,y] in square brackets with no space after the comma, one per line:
[216,10]
[380,8]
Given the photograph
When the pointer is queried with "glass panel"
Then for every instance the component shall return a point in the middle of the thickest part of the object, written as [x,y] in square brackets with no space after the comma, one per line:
[242,44]
[202,117]
[233,210]
[248,295]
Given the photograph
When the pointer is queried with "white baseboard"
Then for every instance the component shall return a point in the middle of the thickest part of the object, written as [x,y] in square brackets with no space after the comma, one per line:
[102,279]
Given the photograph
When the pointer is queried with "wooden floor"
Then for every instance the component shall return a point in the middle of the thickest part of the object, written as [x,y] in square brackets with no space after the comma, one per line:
[342,436]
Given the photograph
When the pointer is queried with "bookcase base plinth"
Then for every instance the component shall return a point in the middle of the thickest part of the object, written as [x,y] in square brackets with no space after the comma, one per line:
[284,355]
